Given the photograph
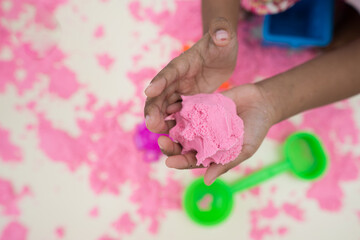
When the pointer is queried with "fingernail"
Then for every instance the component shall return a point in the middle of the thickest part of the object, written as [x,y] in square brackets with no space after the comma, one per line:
[212,181]
[160,145]
[147,89]
[221,35]
[147,118]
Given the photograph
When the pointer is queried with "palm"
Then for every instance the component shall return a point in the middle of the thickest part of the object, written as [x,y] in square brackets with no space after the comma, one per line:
[253,110]
[208,66]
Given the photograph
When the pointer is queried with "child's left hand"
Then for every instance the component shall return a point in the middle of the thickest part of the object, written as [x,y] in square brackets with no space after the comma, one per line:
[257,114]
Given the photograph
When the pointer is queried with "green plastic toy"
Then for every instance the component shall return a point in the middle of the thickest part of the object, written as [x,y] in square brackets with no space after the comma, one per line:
[304,156]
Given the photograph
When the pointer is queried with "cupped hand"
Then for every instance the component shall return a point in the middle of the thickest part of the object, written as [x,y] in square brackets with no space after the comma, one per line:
[201,69]
[257,114]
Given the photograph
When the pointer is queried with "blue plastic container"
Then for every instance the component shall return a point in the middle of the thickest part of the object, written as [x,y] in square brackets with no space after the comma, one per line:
[308,23]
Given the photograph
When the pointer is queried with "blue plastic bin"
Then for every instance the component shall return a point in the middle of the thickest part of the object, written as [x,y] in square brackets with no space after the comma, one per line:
[306,24]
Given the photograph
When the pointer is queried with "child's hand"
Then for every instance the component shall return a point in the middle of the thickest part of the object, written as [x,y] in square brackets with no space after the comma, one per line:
[201,69]
[257,114]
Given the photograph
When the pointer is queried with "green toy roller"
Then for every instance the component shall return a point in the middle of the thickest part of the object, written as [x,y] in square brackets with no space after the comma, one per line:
[304,155]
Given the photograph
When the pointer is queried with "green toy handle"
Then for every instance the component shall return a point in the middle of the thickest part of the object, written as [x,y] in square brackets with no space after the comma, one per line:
[260,176]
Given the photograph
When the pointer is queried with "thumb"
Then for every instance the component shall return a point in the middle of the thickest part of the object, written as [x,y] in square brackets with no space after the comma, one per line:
[216,170]
[221,31]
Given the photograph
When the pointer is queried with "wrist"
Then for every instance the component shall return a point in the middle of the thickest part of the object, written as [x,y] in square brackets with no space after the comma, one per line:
[271,102]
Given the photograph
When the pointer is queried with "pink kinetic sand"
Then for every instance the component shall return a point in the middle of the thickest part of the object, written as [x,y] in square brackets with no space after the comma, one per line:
[105,61]
[14,231]
[60,232]
[99,32]
[8,151]
[208,124]
[124,224]
[8,198]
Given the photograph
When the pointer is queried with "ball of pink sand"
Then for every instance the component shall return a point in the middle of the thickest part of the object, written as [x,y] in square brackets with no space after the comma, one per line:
[209,125]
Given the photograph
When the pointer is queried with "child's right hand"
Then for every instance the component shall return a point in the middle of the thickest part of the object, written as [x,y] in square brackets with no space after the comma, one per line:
[258,115]
[201,69]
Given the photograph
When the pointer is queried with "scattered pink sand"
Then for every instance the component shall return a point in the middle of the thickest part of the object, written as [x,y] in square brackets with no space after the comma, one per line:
[106,237]
[140,79]
[62,81]
[105,61]
[282,231]
[8,151]
[99,32]
[9,198]
[59,145]
[94,212]
[293,211]
[136,59]
[263,218]
[262,61]
[255,191]
[158,198]
[14,231]
[257,232]
[104,139]
[186,11]
[205,203]
[60,232]
[44,11]
[270,211]
[334,126]
[124,224]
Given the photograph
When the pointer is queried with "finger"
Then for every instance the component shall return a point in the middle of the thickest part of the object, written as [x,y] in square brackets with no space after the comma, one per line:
[216,170]
[155,111]
[184,161]
[155,116]
[176,69]
[168,147]
[175,97]
[221,31]
[173,108]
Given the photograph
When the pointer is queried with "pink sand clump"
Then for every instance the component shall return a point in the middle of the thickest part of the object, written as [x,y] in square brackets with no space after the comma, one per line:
[209,125]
